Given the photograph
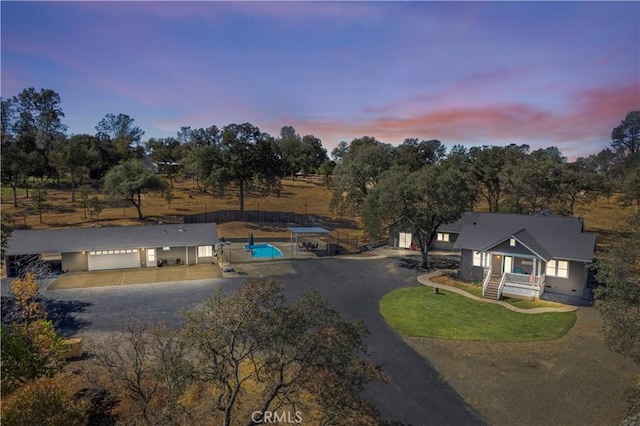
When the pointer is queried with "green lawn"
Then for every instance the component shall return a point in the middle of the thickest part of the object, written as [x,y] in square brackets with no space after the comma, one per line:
[7,192]
[419,312]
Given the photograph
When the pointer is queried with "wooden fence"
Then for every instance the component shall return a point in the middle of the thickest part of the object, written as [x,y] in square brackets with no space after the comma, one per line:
[222,216]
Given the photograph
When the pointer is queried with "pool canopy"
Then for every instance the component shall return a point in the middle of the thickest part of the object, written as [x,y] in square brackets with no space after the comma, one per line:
[308,231]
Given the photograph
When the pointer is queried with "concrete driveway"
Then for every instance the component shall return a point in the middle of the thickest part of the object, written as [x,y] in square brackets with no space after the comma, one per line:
[115,277]
[416,394]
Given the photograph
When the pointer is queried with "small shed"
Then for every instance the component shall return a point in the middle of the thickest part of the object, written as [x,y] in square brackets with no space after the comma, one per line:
[402,233]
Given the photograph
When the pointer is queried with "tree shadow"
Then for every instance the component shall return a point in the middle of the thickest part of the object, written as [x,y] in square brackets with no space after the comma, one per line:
[332,222]
[266,227]
[409,263]
[59,312]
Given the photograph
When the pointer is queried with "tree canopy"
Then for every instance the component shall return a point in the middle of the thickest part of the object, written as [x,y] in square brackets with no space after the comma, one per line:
[131,179]
[359,167]
[625,138]
[250,351]
[248,159]
[429,197]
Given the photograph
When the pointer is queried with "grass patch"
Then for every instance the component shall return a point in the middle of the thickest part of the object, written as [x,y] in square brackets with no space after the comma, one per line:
[419,312]
[7,192]
[530,304]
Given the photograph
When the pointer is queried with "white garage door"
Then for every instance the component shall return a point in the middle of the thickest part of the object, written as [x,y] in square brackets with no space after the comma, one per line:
[113,259]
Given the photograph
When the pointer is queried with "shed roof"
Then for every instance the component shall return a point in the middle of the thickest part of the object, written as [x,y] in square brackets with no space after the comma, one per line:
[110,237]
[549,236]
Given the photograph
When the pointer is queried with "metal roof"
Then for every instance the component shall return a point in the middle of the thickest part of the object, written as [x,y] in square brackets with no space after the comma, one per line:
[309,230]
[550,236]
[111,237]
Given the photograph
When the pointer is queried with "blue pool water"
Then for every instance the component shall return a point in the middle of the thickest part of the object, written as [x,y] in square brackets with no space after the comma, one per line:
[263,251]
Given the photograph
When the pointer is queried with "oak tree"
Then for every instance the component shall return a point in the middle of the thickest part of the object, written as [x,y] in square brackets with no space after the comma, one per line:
[131,179]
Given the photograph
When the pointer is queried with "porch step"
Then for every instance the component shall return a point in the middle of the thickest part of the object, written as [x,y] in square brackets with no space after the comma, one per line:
[491,292]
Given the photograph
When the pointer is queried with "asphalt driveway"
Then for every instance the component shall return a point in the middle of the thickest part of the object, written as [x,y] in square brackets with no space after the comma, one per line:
[416,394]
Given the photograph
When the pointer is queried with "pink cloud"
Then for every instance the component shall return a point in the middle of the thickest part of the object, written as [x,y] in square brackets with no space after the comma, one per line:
[583,127]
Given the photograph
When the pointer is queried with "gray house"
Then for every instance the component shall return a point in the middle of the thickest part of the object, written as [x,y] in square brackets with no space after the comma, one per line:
[113,247]
[525,255]
[402,233]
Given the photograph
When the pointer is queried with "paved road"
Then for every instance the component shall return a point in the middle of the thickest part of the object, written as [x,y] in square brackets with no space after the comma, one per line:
[415,396]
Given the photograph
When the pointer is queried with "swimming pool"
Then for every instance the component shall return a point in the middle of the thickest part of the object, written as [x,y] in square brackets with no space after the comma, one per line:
[263,251]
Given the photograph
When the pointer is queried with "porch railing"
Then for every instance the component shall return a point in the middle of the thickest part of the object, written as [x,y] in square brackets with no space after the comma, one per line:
[487,278]
[534,282]
[525,279]
[501,286]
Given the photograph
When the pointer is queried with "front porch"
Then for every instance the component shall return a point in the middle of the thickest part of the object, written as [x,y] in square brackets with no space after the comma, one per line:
[513,276]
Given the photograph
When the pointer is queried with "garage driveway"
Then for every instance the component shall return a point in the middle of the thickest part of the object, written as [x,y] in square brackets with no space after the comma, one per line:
[116,277]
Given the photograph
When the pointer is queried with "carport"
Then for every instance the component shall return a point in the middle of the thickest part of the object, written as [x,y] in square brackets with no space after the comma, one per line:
[308,239]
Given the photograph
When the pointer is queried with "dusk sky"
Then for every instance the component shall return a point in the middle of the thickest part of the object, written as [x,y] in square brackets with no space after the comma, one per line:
[473,73]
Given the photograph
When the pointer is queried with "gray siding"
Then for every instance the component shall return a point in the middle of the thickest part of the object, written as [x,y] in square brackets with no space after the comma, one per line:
[573,286]
[468,272]
[172,254]
[518,249]
[74,262]
[445,245]
[525,268]
[192,256]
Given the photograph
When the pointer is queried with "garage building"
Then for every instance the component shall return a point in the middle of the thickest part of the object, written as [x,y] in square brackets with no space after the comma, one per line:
[113,247]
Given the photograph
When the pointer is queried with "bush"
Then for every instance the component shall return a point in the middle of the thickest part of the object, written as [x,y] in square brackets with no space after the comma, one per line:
[42,402]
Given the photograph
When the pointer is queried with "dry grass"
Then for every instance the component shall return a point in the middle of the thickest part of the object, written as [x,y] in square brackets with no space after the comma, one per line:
[575,380]
[304,195]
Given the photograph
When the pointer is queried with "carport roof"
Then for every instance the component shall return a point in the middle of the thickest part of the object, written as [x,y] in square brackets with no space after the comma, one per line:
[111,237]
[309,230]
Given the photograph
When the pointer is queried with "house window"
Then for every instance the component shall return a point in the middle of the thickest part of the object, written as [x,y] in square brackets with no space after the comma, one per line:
[563,269]
[477,260]
[205,251]
[486,257]
[558,268]
[512,242]
[443,236]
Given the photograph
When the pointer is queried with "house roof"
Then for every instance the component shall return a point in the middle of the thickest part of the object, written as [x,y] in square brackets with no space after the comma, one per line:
[527,240]
[547,236]
[110,237]
[467,218]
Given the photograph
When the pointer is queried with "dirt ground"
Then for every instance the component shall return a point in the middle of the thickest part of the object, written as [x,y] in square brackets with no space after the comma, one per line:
[574,380]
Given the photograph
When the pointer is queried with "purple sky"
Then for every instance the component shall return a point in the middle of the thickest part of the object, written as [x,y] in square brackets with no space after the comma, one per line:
[472,73]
